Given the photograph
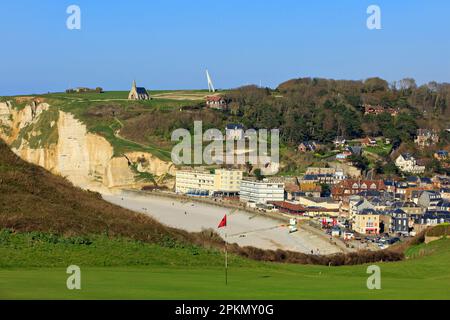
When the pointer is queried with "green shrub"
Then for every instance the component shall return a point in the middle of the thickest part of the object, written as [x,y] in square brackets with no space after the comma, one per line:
[442,230]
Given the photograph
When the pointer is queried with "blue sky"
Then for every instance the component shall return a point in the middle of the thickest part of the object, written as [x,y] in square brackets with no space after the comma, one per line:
[168,44]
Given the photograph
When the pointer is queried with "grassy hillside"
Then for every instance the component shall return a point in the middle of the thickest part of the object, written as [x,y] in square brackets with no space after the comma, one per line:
[35,200]
[109,118]
[37,250]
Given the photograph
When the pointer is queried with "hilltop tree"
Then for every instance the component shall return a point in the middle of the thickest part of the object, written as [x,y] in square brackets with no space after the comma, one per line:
[320,109]
[372,85]
[407,84]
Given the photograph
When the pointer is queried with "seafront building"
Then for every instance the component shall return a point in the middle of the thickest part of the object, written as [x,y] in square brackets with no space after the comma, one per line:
[367,222]
[255,192]
[205,183]
[195,182]
[366,207]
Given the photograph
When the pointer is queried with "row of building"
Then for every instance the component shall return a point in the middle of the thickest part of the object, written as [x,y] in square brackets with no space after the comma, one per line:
[399,207]
[370,206]
[229,183]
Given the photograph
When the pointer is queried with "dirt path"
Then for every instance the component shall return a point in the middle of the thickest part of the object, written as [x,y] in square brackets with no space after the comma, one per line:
[146,147]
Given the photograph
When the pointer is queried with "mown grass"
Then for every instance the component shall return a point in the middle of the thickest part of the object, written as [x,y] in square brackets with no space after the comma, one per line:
[326,155]
[381,149]
[90,95]
[39,249]
[33,268]
[208,283]
[122,146]
[118,94]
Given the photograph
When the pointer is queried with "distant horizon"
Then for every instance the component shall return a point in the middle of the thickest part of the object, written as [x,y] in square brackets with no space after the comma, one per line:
[142,84]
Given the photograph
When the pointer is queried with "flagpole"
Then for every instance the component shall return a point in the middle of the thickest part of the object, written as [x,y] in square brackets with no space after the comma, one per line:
[226,259]
[223,224]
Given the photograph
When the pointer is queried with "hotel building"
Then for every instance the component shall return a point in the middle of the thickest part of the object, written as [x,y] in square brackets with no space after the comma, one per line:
[261,192]
[205,183]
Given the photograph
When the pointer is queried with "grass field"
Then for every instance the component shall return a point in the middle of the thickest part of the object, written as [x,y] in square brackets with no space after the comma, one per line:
[381,149]
[97,116]
[123,95]
[143,271]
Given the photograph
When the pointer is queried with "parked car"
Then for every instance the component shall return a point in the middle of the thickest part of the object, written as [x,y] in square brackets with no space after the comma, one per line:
[349,236]
[393,240]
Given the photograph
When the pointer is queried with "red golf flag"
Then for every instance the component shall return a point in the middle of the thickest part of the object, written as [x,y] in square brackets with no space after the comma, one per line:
[223,223]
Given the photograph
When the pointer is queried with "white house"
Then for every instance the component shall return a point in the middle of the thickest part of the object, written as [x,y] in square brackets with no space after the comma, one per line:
[339,176]
[407,163]
[253,191]
[339,142]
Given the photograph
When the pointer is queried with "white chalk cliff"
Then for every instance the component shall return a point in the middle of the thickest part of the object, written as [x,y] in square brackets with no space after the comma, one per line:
[85,159]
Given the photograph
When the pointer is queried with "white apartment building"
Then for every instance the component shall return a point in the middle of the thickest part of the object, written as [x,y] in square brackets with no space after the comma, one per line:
[205,183]
[261,192]
[197,182]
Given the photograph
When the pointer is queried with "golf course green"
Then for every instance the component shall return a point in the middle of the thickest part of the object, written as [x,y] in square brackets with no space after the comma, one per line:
[122,269]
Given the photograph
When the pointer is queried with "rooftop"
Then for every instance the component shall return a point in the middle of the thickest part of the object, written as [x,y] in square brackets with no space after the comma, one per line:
[265,180]
[234,126]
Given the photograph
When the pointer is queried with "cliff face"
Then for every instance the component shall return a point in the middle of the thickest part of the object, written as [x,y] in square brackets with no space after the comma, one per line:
[60,143]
